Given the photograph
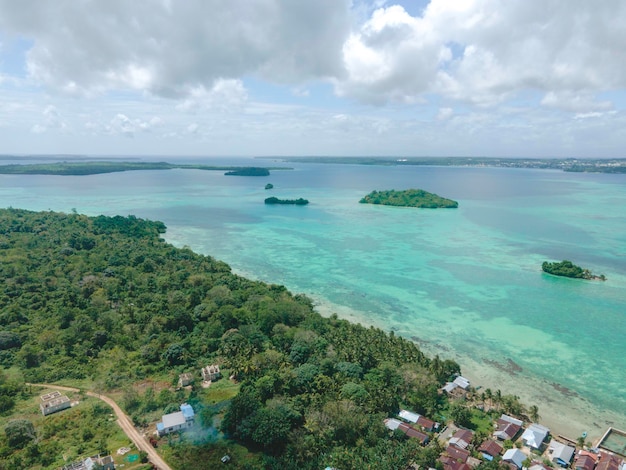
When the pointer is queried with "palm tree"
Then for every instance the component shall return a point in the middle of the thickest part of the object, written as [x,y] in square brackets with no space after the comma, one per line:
[489,395]
[533,411]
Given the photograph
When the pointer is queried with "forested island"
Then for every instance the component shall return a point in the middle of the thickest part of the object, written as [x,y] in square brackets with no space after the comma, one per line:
[269,186]
[409,198]
[566,268]
[249,171]
[298,202]
[98,167]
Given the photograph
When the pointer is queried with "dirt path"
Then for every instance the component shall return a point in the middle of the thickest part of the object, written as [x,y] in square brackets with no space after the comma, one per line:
[124,422]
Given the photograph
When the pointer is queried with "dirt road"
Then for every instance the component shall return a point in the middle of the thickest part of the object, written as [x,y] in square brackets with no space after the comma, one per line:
[124,422]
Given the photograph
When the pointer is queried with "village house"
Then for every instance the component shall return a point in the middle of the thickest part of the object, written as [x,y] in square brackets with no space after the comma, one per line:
[409,431]
[177,421]
[610,462]
[211,373]
[53,402]
[455,458]
[90,463]
[560,454]
[539,466]
[490,449]
[462,438]
[426,424]
[185,379]
[534,436]
[459,386]
[408,416]
[514,456]
[584,461]
[507,428]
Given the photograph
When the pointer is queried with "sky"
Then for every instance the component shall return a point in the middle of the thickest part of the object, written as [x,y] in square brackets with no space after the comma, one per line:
[494,78]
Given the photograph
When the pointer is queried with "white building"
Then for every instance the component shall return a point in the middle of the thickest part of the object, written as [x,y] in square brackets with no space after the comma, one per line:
[53,402]
[534,435]
[177,421]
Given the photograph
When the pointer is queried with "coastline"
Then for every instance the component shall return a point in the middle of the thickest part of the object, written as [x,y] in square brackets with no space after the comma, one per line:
[563,411]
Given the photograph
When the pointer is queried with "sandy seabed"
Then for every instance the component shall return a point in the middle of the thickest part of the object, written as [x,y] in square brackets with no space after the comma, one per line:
[561,410]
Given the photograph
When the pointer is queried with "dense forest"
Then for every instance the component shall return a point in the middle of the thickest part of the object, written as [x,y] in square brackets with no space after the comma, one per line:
[409,198]
[106,303]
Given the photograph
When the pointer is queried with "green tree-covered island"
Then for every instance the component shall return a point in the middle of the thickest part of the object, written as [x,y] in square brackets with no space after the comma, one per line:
[298,202]
[269,186]
[566,268]
[249,171]
[409,198]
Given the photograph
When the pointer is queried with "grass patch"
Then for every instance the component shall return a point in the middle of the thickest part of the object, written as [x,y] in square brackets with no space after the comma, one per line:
[482,422]
[188,456]
[219,391]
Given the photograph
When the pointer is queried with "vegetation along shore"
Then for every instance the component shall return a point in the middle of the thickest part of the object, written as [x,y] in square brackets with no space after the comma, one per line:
[105,305]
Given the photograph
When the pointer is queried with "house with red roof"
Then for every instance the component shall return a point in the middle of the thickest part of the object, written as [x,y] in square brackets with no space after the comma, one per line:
[490,449]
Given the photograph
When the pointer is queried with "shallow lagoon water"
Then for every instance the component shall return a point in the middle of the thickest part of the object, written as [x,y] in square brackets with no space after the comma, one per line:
[464,283]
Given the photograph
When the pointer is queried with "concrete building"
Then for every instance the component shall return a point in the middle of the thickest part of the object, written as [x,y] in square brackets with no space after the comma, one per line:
[211,373]
[177,421]
[53,402]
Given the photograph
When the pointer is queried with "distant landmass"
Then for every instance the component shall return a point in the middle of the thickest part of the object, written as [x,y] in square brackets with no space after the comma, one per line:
[566,268]
[409,198]
[611,165]
[99,167]
[269,186]
[298,202]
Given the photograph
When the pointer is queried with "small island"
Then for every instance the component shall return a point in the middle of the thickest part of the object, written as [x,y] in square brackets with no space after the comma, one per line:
[566,268]
[297,202]
[409,198]
[249,171]
[269,186]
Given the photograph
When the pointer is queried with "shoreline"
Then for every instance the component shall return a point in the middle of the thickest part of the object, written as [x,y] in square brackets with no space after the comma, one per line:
[562,410]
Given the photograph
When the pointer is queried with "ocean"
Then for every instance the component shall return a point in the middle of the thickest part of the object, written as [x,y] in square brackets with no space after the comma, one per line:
[464,283]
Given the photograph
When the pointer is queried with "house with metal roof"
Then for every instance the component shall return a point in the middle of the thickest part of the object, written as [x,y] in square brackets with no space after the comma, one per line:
[408,416]
[490,449]
[177,421]
[53,402]
[561,454]
[534,435]
[462,438]
[514,456]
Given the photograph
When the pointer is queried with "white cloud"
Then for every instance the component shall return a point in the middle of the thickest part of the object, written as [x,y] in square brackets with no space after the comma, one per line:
[170,48]
[486,51]
[444,114]
[122,124]
[579,102]
[52,119]
[224,95]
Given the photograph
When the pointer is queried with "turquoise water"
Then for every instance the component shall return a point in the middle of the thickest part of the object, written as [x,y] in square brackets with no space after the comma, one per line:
[464,283]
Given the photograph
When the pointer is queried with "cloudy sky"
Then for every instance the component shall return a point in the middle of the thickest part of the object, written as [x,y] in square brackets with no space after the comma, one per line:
[533,78]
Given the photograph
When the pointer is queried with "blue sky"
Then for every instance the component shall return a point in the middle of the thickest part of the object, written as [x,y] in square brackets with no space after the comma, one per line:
[511,78]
